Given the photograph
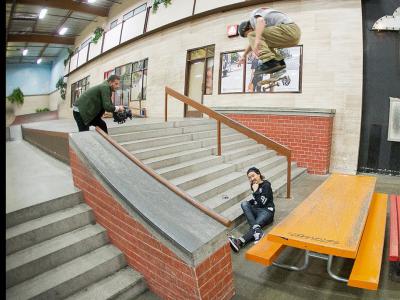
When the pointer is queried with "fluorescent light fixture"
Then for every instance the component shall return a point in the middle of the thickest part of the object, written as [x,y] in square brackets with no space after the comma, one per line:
[63,30]
[91,1]
[43,12]
[39,60]
[25,52]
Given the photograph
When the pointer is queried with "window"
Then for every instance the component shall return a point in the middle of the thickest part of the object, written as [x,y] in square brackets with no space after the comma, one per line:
[139,80]
[140,9]
[113,24]
[134,12]
[127,15]
[235,78]
[85,43]
[133,82]
[78,88]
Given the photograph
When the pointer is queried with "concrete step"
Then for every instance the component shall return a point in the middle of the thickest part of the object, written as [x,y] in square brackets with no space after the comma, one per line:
[251,159]
[165,150]
[177,128]
[187,167]
[35,231]
[192,122]
[70,277]
[147,152]
[42,209]
[172,139]
[124,284]
[44,256]
[214,187]
[232,196]
[194,179]
[183,156]
[176,158]
[142,135]
[159,125]
[139,127]
[235,212]
[232,153]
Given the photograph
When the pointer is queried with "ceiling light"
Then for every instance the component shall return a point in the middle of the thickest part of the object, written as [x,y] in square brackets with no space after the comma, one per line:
[91,1]
[63,30]
[43,12]
[25,52]
[39,60]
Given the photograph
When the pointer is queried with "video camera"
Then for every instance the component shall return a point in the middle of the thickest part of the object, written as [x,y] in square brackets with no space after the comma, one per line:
[121,116]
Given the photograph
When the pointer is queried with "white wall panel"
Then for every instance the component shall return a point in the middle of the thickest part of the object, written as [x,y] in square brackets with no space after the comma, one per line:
[83,55]
[177,10]
[111,37]
[133,27]
[204,5]
[95,49]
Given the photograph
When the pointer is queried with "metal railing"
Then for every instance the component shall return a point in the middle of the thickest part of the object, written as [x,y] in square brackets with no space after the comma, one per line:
[259,138]
[165,182]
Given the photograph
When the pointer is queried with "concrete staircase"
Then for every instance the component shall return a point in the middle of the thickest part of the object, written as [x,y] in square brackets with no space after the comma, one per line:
[184,152]
[55,250]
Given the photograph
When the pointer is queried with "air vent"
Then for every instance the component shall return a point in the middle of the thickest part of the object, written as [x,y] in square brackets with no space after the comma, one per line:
[25,17]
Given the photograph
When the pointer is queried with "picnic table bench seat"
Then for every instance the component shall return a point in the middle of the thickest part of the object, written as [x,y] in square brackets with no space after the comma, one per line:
[394,244]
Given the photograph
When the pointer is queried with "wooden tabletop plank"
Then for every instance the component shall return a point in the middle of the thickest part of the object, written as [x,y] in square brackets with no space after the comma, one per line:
[331,219]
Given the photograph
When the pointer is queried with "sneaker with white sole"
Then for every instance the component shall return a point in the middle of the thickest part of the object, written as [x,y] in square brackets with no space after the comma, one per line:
[258,234]
[235,243]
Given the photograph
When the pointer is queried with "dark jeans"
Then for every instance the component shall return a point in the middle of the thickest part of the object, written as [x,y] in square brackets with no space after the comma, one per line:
[97,121]
[255,216]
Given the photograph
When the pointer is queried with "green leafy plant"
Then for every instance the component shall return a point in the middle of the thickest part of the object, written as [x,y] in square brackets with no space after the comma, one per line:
[98,32]
[38,110]
[156,4]
[16,97]
[62,87]
[70,54]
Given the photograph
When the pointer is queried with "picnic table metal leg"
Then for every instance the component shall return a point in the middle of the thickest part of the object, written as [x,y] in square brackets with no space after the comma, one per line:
[295,268]
[309,254]
[329,269]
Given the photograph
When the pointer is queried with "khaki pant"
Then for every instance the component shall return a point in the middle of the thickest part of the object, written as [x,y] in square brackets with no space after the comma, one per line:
[280,36]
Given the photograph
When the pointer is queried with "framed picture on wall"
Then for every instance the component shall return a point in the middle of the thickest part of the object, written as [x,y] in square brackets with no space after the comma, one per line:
[394,120]
[231,73]
[235,78]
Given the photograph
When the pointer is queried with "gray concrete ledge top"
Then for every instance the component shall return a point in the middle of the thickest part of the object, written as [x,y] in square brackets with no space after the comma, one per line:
[169,215]
[276,111]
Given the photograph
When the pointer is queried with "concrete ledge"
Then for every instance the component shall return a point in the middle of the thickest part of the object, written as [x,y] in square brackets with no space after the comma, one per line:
[322,112]
[188,232]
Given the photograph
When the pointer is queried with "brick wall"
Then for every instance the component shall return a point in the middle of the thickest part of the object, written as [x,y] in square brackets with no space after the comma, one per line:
[165,273]
[309,137]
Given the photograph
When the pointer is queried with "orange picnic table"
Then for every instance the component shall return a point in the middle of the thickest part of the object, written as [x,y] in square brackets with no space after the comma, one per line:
[341,218]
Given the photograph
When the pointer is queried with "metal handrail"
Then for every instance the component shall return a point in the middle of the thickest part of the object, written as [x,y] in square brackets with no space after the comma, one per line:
[221,219]
[259,138]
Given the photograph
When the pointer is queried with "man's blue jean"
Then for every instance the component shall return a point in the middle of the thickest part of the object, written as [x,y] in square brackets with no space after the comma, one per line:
[255,216]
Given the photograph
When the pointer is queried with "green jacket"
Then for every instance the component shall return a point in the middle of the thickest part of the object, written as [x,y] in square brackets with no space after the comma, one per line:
[94,100]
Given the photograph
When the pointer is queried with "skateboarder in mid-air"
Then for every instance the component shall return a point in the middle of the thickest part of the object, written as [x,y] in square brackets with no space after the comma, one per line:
[266,30]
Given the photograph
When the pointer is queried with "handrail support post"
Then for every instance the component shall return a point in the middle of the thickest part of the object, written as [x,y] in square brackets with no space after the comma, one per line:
[289,172]
[219,137]
[166,106]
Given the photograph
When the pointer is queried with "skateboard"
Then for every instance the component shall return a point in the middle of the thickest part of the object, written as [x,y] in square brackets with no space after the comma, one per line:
[275,79]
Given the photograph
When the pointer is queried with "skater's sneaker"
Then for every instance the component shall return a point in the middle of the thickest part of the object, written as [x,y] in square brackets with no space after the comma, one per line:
[257,233]
[235,243]
[282,63]
[269,67]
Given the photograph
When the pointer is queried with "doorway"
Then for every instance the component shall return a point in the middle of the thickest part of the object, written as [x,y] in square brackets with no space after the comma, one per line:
[199,77]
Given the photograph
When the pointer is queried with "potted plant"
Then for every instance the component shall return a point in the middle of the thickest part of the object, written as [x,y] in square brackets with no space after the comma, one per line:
[98,32]
[16,98]
[156,4]
[70,54]
[61,86]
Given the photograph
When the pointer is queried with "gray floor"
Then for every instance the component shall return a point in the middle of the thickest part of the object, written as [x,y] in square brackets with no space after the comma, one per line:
[33,176]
